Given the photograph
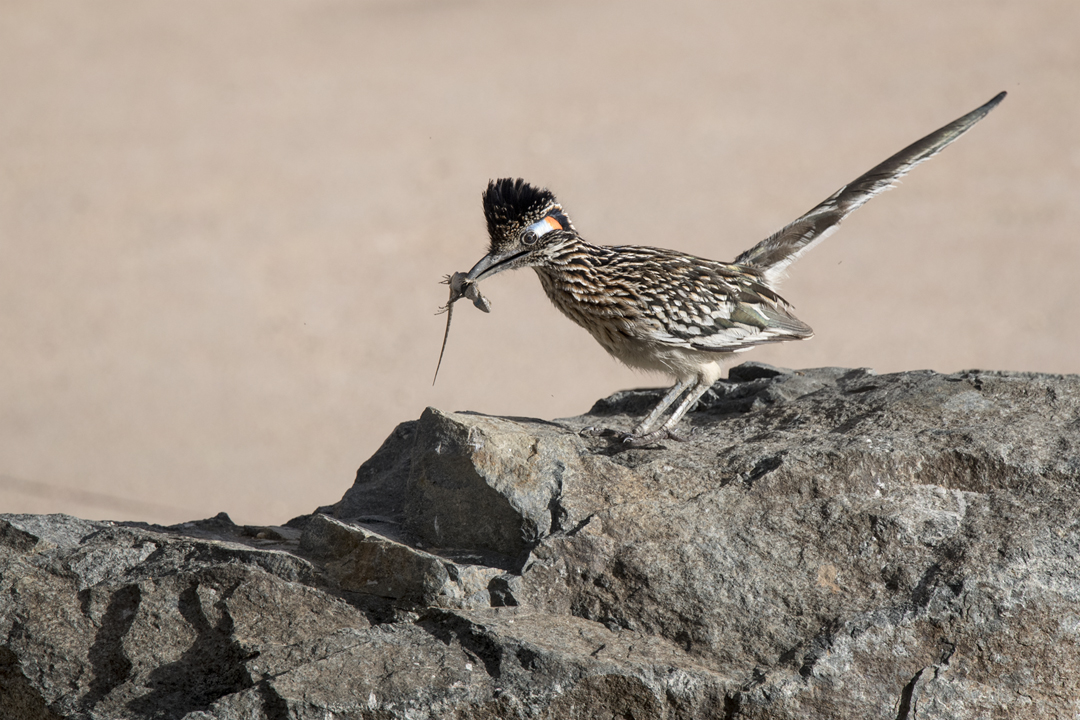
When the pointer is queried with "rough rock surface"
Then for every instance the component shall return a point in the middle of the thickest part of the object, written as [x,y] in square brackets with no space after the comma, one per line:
[829,543]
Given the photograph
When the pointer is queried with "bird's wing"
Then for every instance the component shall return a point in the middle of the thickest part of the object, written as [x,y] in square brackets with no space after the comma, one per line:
[772,255]
[715,307]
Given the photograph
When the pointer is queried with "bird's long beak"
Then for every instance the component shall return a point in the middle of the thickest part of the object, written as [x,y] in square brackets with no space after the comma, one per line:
[494,264]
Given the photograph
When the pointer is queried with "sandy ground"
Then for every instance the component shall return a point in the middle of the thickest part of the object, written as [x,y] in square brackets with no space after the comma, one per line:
[223,225]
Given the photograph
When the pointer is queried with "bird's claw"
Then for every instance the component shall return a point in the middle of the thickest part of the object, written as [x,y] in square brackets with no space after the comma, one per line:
[593,431]
[632,440]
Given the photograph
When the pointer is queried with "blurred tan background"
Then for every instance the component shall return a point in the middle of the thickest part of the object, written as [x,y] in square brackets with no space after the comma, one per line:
[223,225]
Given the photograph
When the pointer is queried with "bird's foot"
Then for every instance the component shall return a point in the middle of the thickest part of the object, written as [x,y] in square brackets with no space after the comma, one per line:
[663,433]
[594,431]
[633,440]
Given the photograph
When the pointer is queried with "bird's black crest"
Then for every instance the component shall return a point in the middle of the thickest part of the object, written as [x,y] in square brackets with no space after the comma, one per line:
[514,202]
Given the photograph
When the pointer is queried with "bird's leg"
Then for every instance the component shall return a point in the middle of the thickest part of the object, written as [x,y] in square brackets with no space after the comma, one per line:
[665,431]
[651,419]
[673,394]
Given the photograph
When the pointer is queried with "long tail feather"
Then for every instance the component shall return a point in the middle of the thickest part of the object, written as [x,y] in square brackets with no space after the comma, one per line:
[773,254]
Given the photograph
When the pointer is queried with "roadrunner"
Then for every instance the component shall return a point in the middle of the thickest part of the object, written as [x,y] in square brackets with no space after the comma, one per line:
[664,310]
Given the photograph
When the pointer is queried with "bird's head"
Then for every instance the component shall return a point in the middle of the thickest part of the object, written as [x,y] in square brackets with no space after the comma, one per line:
[524,224]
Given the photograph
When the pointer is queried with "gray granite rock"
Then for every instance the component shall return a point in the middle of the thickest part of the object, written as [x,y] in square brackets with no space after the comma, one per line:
[828,543]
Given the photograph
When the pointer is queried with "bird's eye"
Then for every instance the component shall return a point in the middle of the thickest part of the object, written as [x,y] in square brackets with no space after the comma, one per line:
[528,237]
